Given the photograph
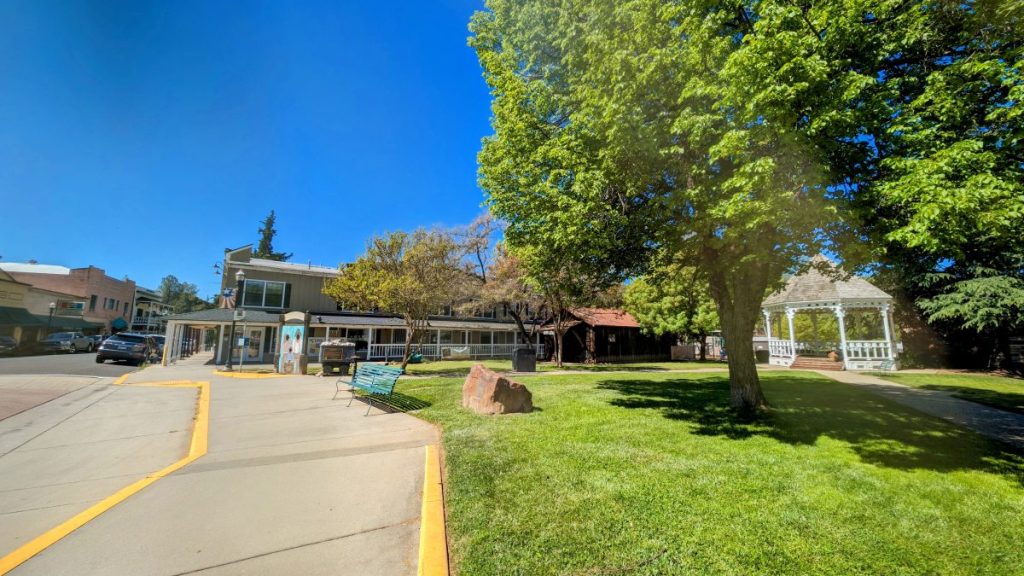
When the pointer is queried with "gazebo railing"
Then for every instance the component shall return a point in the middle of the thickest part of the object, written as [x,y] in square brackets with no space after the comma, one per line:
[867,350]
[778,347]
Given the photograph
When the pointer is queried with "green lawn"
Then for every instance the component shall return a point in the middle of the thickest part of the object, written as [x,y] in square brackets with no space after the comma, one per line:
[461,367]
[996,391]
[646,473]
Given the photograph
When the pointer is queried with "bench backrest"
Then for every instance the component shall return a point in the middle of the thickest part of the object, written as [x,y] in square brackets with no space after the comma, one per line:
[376,378]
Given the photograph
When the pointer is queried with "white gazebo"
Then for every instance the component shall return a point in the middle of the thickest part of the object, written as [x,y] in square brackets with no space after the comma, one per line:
[823,288]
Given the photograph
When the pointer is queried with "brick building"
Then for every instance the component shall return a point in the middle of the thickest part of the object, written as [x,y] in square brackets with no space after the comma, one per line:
[104,300]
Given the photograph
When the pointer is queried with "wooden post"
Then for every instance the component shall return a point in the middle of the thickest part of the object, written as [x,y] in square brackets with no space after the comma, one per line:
[792,335]
[888,334]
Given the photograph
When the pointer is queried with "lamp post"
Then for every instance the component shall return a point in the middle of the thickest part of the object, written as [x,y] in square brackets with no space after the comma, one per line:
[49,323]
[240,278]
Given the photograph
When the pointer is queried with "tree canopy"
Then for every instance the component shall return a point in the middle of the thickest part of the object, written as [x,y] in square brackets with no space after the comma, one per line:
[673,300]
[265,249]
[181,296]
[412,275]
[740,138]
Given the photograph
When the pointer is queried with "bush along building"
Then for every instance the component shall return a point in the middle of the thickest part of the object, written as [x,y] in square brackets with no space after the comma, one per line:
[272,288]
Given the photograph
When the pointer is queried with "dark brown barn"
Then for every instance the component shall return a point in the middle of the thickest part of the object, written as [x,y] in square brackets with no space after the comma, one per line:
[609,335]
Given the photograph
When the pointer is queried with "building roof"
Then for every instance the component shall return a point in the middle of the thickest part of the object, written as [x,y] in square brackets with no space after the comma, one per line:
[825,283]
[605,317]
[289,266]
[29,268]
[225,315]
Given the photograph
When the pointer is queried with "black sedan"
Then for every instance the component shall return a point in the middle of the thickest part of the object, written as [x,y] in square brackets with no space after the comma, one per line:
[133,348]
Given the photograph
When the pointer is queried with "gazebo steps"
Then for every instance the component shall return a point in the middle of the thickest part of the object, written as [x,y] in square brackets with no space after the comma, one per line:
[815,363]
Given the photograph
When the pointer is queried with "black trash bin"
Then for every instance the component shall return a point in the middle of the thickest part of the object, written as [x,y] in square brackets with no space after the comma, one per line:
[524,360]
[761,356]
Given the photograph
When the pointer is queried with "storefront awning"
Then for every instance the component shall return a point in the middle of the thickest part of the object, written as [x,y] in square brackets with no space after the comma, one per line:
[18,317]
[67,323]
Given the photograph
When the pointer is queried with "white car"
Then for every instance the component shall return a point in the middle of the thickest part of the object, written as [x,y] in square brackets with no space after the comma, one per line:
[68,342]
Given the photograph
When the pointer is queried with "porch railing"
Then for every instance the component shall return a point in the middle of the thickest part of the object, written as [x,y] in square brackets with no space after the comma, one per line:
[439,351]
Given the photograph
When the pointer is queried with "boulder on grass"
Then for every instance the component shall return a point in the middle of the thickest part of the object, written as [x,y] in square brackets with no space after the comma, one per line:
[488,392]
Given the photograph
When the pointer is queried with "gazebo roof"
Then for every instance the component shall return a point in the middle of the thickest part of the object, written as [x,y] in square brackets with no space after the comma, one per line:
[814,287]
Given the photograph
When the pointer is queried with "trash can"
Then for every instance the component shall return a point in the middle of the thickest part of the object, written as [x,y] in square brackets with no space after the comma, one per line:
[336,357]
[524,360]
[761,356]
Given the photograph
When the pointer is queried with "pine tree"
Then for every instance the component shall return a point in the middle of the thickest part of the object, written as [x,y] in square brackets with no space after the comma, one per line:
[266,246]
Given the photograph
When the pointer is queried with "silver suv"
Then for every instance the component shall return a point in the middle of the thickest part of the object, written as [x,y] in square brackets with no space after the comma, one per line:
[67,342]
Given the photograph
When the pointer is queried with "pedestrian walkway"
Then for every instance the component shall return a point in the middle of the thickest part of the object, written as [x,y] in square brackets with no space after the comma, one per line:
[1001,425]
[293,482]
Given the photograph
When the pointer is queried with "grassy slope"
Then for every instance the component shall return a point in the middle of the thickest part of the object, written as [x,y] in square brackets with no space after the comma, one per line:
[646,474]
[997,391]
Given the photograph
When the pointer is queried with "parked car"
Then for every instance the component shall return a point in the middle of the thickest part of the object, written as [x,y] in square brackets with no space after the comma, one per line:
[67,342]
[132,348]
[97,339]
[8,345]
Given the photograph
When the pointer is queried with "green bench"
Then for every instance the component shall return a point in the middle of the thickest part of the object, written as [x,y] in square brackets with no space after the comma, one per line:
[374,379]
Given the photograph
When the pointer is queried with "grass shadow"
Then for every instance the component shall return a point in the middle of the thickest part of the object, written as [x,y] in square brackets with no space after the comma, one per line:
[804,409]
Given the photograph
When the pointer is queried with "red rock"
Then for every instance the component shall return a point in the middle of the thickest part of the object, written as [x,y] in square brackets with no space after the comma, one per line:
[487,392]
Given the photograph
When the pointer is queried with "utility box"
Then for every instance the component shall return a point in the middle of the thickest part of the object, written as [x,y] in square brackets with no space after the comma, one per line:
[524,360]
[336,357]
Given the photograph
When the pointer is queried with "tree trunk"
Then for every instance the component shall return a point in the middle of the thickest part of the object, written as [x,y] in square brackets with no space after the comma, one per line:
[703,346]
[407,353]
[559,337]
[519,323]
[738,294]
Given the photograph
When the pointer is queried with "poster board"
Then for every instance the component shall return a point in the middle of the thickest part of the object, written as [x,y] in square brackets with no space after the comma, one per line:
[290,356]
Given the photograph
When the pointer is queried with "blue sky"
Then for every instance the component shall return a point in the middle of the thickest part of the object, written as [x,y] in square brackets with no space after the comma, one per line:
[144,138]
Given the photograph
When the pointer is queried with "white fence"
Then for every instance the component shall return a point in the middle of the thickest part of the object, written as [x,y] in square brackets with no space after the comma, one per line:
[453,351]
[780,348]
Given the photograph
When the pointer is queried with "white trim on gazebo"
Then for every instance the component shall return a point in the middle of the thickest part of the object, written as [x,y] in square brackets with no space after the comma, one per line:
[821,289]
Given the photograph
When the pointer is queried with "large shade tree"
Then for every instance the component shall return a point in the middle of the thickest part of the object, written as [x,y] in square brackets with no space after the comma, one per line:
[619,131]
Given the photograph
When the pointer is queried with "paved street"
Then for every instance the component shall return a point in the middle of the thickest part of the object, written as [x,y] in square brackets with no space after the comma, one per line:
[78,364]
[292,483]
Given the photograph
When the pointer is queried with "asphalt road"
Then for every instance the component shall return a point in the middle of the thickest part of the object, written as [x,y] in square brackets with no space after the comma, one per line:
[78,364]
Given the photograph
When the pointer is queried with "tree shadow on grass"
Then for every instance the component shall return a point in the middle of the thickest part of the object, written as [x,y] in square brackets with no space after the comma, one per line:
[804,409]
[1002,400]
[396,402]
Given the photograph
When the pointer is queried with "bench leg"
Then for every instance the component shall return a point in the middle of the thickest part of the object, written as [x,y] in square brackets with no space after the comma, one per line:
[352,398]
[369,404]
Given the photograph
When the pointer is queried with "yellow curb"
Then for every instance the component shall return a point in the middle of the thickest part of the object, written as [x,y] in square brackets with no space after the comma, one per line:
[433,544]
[121,379]
[248,375]
[197,448]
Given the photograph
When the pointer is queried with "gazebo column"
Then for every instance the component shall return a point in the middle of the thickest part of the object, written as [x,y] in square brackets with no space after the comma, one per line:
[792,334]
[888,333]
[840,315]
[767,324]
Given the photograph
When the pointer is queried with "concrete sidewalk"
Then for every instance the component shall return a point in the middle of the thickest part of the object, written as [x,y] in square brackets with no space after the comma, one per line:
[1000,425]
[292,483]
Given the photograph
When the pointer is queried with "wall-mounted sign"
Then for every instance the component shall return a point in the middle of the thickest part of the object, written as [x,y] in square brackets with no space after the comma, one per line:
[69,308]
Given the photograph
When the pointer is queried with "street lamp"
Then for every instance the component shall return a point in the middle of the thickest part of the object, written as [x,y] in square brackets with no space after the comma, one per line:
[49,323]
[239,294]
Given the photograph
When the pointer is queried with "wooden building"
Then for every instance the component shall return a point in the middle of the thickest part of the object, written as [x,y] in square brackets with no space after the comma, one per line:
[609,335]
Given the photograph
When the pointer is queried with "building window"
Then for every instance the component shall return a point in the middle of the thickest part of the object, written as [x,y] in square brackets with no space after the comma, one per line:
[125,308]
[264,294]
[92,303]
